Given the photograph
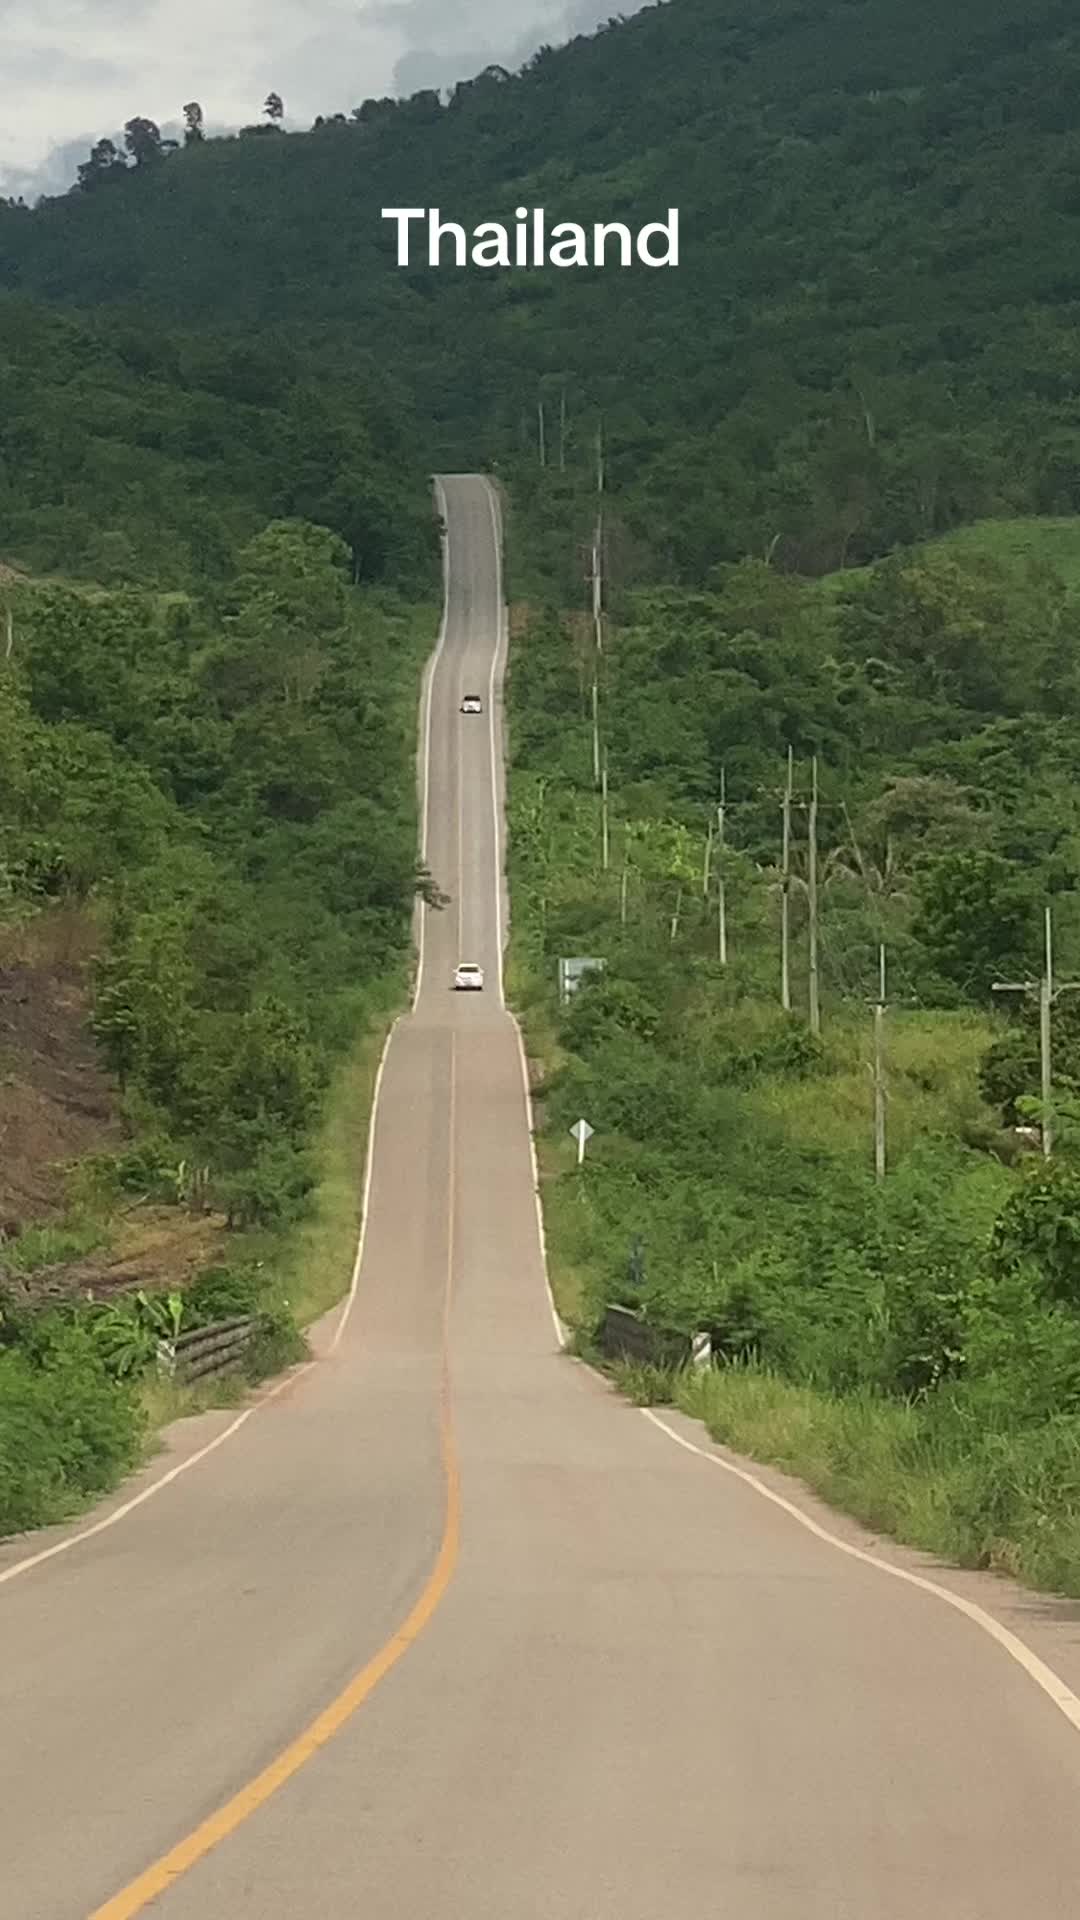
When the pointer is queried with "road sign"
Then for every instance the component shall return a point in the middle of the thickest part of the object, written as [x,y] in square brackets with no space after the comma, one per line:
[581,1131]
[572,972]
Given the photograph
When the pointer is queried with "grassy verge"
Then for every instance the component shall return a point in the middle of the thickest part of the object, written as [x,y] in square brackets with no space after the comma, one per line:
[984,1499]
[318,1263]
[909,1348]
[981,1500]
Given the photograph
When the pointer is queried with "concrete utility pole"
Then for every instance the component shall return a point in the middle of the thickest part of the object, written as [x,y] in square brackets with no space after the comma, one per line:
[706,864]
[595,732]
[1046,992]
[623,885]
[879,1070]
[721,883]
[785,890]
[812,894]
[543,441]
[604,840]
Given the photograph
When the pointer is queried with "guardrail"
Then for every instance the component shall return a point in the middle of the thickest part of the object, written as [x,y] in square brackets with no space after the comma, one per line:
[207,1350]
[624,1335]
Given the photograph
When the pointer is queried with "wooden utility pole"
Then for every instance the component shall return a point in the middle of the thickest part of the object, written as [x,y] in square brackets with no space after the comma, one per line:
[812,895]
[1046,991]
[785,891]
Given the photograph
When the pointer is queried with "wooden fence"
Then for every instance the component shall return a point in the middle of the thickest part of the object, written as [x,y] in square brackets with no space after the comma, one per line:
[207,1350]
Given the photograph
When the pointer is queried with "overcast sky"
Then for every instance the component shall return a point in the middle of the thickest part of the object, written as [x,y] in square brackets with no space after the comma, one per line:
[77,69]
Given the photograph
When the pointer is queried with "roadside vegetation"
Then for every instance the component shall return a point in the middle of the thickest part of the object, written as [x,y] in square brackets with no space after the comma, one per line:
[841,473]
[207,802]
[910,1346]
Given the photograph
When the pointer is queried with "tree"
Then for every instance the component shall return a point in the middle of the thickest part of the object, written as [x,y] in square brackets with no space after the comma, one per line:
[142,138]
[105,163]
[1010,1069]
[977,919]
[193,127]
[274,107]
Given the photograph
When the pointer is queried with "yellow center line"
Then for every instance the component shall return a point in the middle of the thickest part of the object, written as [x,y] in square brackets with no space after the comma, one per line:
[170,1867]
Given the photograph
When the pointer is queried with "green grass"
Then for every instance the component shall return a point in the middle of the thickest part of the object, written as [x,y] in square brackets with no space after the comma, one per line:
[48,1246]
[1043,540]
[319,1261]
[1009,1503]
[1016,544]
[931,1066]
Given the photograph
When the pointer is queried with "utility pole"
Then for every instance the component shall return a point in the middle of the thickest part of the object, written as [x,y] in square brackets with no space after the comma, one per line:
[707,862]
[600,456]
[10,634]
[543,443]
[722,886]
[604,841]
[595,732]
[879,1070]
[815,1004]
[785,891]
[1046,992]
[562,431]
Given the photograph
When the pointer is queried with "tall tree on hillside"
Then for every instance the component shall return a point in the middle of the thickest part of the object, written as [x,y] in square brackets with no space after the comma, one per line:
[142,138]
[193,124]
[105,163]
[274,107]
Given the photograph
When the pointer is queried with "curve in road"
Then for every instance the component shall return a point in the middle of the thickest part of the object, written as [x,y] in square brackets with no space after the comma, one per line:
[642,1692]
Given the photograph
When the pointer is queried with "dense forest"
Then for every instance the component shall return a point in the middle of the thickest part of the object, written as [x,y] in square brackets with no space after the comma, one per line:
[840,448]
[872,334]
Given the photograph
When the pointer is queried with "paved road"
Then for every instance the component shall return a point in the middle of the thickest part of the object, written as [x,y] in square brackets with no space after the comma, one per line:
[636,1690]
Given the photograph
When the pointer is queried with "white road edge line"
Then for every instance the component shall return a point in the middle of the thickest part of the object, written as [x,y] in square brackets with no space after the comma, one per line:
[425,763]
[501,639]
[20,1567]
[502,646]
[1044,1677]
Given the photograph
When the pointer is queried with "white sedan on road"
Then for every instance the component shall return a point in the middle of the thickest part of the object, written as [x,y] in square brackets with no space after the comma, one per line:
[468,978]
[472,703]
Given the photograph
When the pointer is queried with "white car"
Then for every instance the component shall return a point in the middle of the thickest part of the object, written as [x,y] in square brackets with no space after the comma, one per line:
[468,978]
[472,703]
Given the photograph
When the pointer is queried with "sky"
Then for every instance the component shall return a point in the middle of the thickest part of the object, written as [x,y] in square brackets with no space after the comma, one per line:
[75,70]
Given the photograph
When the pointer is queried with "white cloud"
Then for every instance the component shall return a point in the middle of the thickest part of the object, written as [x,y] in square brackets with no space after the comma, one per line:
[77,69]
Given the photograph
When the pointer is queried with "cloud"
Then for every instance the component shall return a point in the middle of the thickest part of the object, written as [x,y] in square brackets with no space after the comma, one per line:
[77,69]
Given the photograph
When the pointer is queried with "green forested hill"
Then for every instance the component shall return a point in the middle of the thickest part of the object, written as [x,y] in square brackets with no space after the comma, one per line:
[131,451]
[872,336]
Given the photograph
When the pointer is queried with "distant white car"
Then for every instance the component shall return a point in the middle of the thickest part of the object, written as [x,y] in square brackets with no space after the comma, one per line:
[468,978]
[472,703]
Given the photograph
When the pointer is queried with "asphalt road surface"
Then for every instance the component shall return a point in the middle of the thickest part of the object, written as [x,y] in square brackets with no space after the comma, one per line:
[565,1669]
